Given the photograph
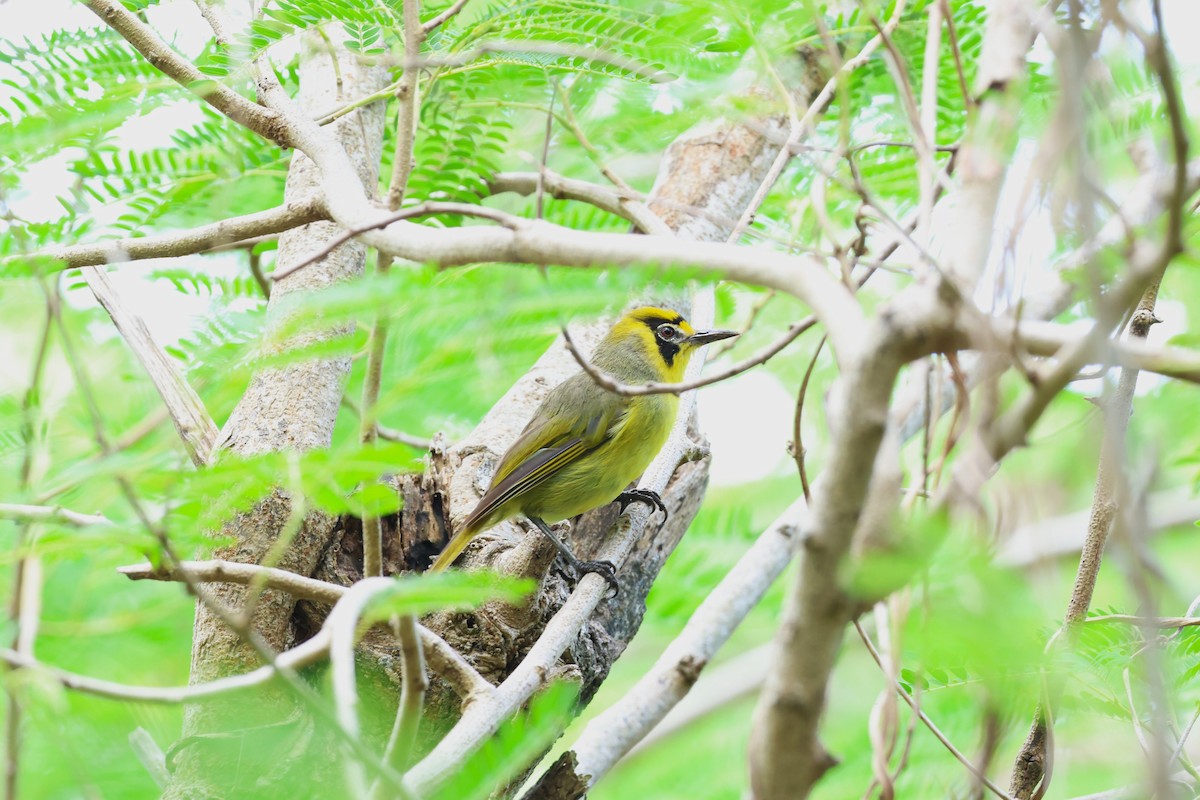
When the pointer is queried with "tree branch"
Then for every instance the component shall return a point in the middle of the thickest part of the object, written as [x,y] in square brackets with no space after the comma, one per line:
[614,732]
[786,756]
[28,513]
[443,659]
[195,427]
[615,201]
[441,18]
[929,723]
[185,242]
[146,41]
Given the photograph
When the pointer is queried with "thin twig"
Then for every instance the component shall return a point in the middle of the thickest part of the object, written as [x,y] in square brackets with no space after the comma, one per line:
[952,35]
[635,390]
[25,606]
[194,424]
[798,451]
[443,17]
[443,659]
[547,135]
[422,210]
[929,723]
[408,111]
[391,434]
[802,125]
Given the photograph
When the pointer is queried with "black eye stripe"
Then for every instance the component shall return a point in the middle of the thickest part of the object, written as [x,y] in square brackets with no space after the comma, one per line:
[667,349]
[654,322]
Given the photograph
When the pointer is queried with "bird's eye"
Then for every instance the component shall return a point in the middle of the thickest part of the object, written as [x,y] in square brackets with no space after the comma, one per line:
[668,333]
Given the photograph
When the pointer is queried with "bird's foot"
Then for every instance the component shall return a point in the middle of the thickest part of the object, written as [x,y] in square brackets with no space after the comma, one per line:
[650,498]
[605,569]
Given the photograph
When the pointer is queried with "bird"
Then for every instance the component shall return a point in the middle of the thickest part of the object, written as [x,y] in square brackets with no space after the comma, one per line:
[585,444]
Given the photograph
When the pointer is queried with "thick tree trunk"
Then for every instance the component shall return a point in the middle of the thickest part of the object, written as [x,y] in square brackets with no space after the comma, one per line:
[288,408]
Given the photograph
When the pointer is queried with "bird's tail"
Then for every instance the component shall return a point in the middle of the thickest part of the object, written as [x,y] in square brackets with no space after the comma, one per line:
[457,544]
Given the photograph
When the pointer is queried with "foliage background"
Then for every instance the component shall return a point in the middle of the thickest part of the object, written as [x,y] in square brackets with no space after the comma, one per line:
[97,144]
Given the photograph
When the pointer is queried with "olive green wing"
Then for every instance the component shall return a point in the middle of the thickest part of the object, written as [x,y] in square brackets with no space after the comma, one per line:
[573,421]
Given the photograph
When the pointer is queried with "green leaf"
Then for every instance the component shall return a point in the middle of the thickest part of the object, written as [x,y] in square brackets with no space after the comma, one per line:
[456,590]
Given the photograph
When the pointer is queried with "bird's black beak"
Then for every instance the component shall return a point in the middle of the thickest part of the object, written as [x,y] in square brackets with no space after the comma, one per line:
[700,338]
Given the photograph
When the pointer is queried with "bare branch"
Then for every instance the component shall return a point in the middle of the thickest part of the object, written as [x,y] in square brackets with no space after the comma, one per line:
[185,242]
[409,109]
[446,15]
[146,41]
[614,201]
[192,421]
[613,733]
[310,652]
[933,728]
[424,209]
[28,513]
[443,659]
[1028,770]
[343,624]
[635,390]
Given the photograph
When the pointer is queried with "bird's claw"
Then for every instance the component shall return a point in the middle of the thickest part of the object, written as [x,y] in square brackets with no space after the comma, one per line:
[650,498]
[605,569]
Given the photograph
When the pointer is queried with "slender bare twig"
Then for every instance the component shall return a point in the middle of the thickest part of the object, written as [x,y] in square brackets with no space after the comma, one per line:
[372,531]
[465,57]
[422,210]
[634,390]
[408,111]
[1146,622]
[798,451]
[929,723]
[25,603]
[952,35]
[629,205]
[927,121]
[391,434]
[408,715]
[801,126]
[310,652]
[343,624]
[445,16]
[540,190]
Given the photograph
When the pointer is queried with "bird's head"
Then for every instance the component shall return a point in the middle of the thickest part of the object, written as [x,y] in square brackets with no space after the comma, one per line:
[659,340]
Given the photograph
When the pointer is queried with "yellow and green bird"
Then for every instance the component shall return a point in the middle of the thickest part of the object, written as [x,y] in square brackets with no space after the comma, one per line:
[585,444]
